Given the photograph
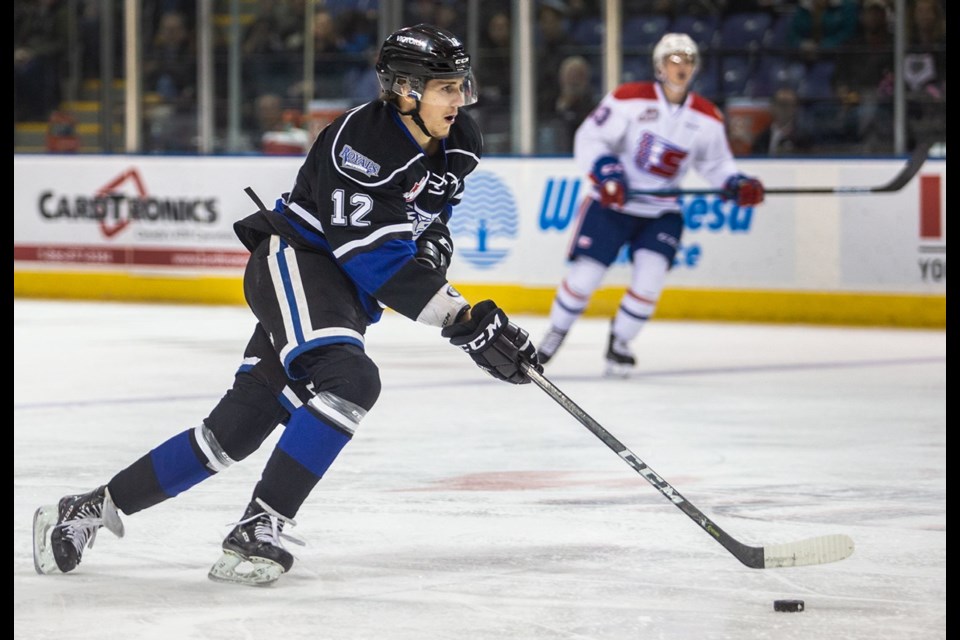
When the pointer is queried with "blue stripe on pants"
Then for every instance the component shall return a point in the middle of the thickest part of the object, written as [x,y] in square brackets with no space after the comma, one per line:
[311,441]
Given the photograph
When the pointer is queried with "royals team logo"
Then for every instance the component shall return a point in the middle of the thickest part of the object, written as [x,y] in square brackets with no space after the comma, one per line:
[484,224]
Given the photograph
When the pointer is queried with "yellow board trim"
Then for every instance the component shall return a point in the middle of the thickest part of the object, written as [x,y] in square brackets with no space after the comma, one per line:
[734,305]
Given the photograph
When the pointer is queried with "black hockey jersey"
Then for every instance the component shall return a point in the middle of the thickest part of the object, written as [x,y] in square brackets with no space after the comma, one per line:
[365,193]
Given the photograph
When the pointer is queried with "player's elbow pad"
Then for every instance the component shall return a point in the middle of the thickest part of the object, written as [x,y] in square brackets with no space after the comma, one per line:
[434,250]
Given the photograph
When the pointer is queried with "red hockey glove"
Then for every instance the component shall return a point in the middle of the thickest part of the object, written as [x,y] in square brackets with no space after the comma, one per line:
[608,175]
[743,190]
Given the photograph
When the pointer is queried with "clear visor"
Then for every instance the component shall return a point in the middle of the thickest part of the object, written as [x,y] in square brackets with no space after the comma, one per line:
[681,57]
[446,92]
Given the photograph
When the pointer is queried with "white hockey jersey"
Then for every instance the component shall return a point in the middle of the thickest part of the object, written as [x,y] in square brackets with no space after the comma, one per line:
[656,141]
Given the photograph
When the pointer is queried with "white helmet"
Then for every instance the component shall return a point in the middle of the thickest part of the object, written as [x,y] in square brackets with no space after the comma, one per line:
[672,43]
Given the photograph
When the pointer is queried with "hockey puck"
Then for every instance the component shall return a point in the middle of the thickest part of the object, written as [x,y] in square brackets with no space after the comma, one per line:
[788,605]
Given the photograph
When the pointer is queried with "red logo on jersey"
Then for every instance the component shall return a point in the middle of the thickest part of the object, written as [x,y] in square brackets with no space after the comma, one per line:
[657,156]
[415,190]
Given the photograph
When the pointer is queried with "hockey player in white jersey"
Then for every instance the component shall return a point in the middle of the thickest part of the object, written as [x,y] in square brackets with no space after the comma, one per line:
[643,136]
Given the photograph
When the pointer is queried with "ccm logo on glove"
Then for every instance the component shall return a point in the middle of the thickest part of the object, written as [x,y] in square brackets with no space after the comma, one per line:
[487,334]
[496,345]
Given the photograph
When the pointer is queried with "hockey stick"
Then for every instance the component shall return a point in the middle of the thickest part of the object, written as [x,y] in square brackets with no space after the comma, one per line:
[899,181]
[818,550]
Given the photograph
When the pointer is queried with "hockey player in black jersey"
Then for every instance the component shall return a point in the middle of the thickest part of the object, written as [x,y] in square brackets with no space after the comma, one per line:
[364,228]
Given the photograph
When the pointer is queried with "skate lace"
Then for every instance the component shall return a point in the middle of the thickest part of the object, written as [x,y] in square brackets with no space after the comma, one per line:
[81,531]
[269,527]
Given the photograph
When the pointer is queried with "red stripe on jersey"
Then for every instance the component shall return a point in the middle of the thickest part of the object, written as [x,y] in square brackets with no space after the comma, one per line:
[635,90]
[704,106]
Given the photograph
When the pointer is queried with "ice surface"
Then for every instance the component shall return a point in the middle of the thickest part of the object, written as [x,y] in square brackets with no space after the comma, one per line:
[470,509]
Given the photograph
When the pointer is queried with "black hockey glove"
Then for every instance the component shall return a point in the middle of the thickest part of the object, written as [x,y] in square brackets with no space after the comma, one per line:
[497,345]
[434,250]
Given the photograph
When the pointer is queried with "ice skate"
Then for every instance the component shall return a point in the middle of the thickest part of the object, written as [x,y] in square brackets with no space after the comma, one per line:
[61,532]
[550,343]
[253,553]
[620,360]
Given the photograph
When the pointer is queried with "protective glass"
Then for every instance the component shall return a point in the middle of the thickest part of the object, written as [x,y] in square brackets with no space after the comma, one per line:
[447,92]
[679,57]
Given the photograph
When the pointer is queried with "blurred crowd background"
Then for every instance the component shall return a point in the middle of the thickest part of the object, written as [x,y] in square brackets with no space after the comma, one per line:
[808,77]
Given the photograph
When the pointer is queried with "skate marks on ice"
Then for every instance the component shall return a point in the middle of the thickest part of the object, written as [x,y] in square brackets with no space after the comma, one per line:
[466,508]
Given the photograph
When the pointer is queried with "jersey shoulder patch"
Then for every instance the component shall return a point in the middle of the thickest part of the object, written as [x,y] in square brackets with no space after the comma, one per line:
[702,105]
[635,90]
[368,146]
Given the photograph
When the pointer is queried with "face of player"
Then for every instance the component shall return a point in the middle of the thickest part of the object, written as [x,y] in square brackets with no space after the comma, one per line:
[678,70]
[440,105]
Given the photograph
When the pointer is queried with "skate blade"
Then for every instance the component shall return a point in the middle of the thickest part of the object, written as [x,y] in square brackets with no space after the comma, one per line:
[616,370]
[44,519]
[254,572]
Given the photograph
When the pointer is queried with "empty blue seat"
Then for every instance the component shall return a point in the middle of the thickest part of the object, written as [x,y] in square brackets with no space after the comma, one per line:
[637,68]
[735,76]
[703,29]
[778,71]
[818,81]
[588,32]
[707,80]
[744,31]
[644,31]
[778,35]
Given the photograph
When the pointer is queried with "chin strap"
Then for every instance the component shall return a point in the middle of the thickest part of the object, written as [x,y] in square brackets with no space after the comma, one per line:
[415,114]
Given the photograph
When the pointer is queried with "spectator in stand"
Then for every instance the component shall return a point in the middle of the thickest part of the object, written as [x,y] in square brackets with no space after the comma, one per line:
[268,66]
[278,129]
[576,99]
[494,66]
[291,19]
[788,133]
[170,74]
[358,31]
[363,85]
[169,61]
[39,45]
[328,47]
[494,76]
[551,39]
[447,16]
[863,82]
[823,25]
[328,64]
[925,72]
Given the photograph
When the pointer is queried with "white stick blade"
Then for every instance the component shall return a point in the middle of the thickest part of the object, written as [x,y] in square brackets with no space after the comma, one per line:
[819,550]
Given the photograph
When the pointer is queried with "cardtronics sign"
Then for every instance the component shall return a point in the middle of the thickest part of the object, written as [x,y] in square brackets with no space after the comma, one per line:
[125,200]
[123,223]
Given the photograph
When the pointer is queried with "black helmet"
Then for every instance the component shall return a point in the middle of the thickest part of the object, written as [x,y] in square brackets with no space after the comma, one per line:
[413,55]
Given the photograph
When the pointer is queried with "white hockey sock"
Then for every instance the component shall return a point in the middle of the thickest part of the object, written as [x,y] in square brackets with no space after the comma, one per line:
[640,300]
[574,292]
